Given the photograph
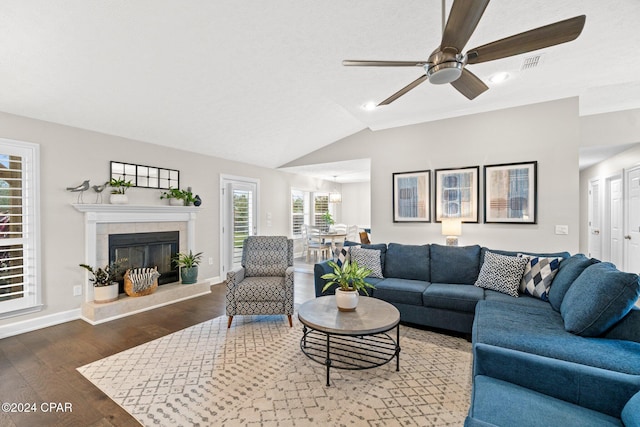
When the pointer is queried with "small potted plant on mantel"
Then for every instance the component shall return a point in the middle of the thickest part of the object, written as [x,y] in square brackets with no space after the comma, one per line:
[105,286]
[188,264]
[350,280]
[179,197]
[118,196]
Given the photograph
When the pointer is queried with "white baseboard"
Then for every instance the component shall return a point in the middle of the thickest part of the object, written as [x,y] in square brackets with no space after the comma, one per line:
[18,328]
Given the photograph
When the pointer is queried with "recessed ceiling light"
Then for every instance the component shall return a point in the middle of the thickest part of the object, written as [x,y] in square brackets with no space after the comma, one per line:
[369,106]
[499,77]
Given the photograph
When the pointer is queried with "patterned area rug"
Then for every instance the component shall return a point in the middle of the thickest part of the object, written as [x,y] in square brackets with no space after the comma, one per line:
[255,374]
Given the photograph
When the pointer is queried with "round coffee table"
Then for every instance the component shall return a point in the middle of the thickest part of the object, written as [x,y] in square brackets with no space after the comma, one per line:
[350,340]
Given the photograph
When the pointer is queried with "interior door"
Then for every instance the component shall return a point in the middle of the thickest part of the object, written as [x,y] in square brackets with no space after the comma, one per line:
[595,238]
[239,219]
[616,221]
[632,226]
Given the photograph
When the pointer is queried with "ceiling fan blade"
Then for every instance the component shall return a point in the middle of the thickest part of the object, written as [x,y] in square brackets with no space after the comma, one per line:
[463,20]
[365,63]
[404,90]
[538,38]
[469,84]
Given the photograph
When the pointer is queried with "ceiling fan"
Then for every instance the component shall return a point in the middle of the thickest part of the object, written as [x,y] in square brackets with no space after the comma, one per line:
[447,64]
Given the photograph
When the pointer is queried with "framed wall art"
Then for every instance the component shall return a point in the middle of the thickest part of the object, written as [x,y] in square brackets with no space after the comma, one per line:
[510,193]
[457,193]
[411,196]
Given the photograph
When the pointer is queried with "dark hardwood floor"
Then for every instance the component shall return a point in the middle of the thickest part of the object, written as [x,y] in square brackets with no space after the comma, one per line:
[40,367]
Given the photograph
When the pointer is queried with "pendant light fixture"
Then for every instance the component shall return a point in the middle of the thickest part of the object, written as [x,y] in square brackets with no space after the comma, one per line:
[335,196]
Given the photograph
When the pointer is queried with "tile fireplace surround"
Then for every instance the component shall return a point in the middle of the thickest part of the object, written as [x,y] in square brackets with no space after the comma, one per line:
[102,220]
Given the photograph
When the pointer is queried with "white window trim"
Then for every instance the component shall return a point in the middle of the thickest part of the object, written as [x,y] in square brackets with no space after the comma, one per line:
[33,299]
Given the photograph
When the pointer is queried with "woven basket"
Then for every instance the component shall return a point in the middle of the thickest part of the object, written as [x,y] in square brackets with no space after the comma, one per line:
[128,287]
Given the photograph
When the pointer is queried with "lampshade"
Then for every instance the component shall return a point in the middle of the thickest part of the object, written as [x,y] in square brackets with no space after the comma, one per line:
[335,198]
[451,227]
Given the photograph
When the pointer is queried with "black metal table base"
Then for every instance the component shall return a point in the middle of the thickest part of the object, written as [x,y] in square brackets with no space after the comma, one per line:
[350,352]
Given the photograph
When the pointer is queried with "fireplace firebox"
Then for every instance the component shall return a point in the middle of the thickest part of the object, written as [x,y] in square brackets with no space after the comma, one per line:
[155,249]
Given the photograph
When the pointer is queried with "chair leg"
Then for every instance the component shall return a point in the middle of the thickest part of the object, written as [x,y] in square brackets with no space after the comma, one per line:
[290,322]
[229,322]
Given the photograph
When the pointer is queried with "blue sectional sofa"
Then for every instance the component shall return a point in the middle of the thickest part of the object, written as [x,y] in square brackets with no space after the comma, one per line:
[568,357]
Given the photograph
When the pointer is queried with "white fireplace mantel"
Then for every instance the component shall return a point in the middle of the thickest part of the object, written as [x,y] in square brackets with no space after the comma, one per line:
[95,214]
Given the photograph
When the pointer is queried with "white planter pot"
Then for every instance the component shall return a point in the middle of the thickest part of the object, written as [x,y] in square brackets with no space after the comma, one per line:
[102,294]
[118,199]
[346,300]
[176,202]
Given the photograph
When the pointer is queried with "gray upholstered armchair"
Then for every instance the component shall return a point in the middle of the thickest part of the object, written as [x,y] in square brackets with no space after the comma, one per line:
[264,282]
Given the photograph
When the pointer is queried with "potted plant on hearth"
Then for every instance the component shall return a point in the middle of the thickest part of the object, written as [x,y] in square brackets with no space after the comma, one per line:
[179,197]
[188,264]
[118,196]
[105,286]
[350,280]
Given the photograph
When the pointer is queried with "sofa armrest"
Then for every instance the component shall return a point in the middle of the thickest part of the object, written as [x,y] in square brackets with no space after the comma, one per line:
[320,269]
[594,388]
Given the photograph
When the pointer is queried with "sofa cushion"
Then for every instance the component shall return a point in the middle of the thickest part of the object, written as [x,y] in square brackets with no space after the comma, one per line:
[501,273]
[626,329]
[455,264]
[600,297]
[524,300]
[367,258]
[568,271]
[538,275]
[563,255]
[631,411]
[401,291]
[452,297]
[526,407]
[540,330]
[407,262]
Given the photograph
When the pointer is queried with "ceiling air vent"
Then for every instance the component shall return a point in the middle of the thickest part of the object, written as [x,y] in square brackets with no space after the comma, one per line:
[531,62]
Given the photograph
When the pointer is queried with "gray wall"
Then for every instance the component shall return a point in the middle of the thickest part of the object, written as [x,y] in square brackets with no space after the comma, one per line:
[547,132]
[70,155]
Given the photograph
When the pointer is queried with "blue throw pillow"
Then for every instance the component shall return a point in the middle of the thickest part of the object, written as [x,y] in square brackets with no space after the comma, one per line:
[598,299]
[455,264]
[568,272]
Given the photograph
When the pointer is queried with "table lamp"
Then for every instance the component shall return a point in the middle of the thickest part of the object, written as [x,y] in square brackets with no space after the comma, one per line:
[452,228]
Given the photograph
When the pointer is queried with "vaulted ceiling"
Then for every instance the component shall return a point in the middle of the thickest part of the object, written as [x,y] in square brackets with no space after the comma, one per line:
[262,81]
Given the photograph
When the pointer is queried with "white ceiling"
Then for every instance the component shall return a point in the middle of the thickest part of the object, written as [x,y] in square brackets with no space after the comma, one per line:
[262,81]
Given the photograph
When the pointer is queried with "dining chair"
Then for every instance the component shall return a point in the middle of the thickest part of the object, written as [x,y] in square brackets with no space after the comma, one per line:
[313,242]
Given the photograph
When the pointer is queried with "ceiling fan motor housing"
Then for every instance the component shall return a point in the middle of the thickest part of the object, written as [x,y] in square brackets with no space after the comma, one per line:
[444,66]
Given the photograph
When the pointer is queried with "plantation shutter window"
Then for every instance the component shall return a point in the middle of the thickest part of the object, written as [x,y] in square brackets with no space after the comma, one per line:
[19,260]
[242,221]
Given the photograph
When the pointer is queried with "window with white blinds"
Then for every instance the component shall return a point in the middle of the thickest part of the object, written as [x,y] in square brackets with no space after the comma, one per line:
[19,227]
[299,211]
[320,208]
[242,221]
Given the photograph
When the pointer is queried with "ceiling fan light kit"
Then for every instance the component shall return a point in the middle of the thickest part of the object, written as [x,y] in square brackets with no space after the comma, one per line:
[447,64]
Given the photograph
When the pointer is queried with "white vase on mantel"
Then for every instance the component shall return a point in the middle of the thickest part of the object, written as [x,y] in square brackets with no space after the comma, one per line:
[346,300]
[118,199]
[176,202]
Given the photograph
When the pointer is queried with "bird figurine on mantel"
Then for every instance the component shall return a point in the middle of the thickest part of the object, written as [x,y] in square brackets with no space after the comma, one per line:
[99,189]
[80,189]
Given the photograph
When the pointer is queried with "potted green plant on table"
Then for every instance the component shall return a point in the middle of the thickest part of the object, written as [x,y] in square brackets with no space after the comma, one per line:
[188,264]
[350,279]
[105,286]
[179,197]
[328,220]
[120,186]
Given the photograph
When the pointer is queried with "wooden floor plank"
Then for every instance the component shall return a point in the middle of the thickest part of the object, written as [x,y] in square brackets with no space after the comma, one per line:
[40,366]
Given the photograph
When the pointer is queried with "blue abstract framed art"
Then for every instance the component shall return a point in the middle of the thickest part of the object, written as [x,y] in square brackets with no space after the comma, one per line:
[457,193]
[510,193]
[411,196]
